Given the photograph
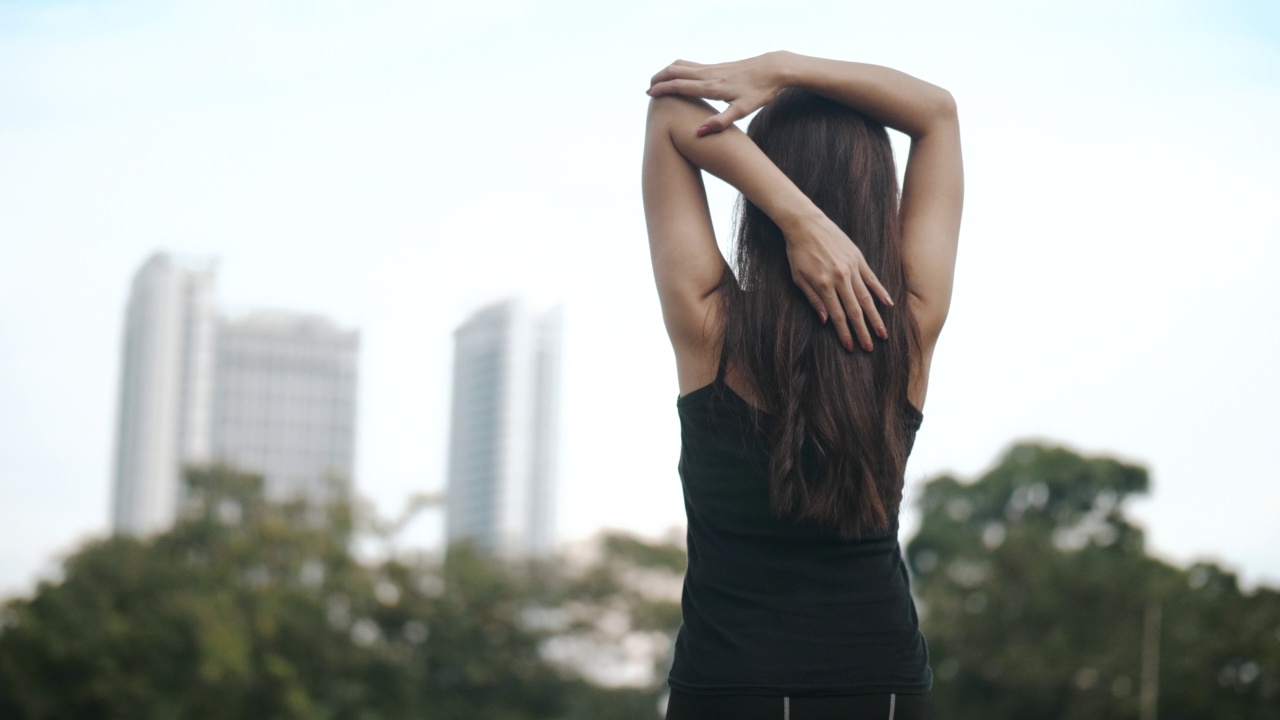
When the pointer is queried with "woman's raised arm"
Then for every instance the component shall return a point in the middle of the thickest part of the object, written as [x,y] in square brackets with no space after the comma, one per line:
[687,264]
[933,190]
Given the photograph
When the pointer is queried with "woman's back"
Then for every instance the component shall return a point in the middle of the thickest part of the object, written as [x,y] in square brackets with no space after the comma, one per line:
[776,606]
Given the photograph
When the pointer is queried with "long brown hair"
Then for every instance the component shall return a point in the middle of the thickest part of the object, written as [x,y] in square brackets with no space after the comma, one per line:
[837,426]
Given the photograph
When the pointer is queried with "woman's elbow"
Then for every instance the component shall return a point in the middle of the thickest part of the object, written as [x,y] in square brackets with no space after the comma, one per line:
[670,110]
[662,108]
[935,111]
[944,107]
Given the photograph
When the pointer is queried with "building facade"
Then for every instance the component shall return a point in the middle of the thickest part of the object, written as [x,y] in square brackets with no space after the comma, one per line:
[166,385]
[504,431]
[284,402]
[269,393]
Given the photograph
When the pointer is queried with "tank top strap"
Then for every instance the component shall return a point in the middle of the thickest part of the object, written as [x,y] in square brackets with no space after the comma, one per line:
[722,365]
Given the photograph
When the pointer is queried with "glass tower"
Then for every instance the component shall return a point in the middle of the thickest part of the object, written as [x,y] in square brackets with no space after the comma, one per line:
[502,447]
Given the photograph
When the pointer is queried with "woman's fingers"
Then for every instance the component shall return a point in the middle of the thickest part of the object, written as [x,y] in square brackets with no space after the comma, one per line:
[671,72]
[679,70]
[873,282]
[712,82]
[840,321]
[692,88]
[722,120]
[833,275]
[857,316]
[868,304]
[853,312]
[869,309]
[812,296]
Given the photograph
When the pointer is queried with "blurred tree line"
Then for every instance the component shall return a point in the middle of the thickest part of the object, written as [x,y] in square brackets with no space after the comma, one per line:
[253,609]
[1035,593]
[1039,601]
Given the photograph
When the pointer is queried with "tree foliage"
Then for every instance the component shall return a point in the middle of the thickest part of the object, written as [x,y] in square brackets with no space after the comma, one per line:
[1035,592]
[255,609]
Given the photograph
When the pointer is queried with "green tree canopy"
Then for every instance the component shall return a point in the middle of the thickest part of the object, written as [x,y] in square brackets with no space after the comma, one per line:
[1035,592]
[1036,595]
[253,609]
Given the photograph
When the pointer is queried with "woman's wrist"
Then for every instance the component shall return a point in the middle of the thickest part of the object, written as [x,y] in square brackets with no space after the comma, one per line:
[784,66]
[796,217]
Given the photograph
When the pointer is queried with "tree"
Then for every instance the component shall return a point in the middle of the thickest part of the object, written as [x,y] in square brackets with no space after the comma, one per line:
[1034,587]
[226,616]
[250,608]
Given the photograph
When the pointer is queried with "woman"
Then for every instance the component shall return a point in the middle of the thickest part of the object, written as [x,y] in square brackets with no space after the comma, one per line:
[796,600]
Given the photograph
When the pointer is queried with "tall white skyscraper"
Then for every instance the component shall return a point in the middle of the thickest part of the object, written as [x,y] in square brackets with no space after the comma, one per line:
[284,402]
[504,430]
[166,384]
[271,393]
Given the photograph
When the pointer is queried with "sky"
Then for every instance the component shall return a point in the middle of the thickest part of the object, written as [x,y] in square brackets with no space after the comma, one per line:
[397,165]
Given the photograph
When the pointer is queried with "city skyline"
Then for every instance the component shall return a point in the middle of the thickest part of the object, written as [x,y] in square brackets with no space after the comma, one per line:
[268,392]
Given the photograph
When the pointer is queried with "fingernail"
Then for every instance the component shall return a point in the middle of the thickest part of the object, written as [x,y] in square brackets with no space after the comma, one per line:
[822,315]
[884,334]
[849,346]
[704,130]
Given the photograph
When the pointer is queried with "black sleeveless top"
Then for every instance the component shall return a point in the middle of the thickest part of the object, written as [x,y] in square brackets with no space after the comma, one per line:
[776,606]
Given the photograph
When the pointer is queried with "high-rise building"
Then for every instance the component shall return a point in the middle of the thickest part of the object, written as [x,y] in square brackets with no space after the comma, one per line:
[271,393]
[504,430]
[284,402]
[166,383]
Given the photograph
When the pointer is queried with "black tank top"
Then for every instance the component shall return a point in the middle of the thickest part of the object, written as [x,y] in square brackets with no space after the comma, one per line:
[775,606]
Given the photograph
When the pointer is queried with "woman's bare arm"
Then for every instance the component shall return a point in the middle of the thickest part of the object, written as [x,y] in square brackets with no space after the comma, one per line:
[933,191]
[687,263]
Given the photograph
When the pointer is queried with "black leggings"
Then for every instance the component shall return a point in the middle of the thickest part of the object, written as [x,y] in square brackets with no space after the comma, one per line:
[880,706]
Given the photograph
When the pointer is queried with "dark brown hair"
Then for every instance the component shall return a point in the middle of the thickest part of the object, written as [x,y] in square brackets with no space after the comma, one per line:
[837,426]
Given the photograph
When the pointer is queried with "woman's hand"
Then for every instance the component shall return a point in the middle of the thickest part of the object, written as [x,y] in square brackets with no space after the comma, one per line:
[834,276]
[747,85]
[825,264]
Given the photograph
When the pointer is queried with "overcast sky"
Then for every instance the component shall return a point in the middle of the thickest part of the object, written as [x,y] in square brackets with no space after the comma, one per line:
[395,165]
